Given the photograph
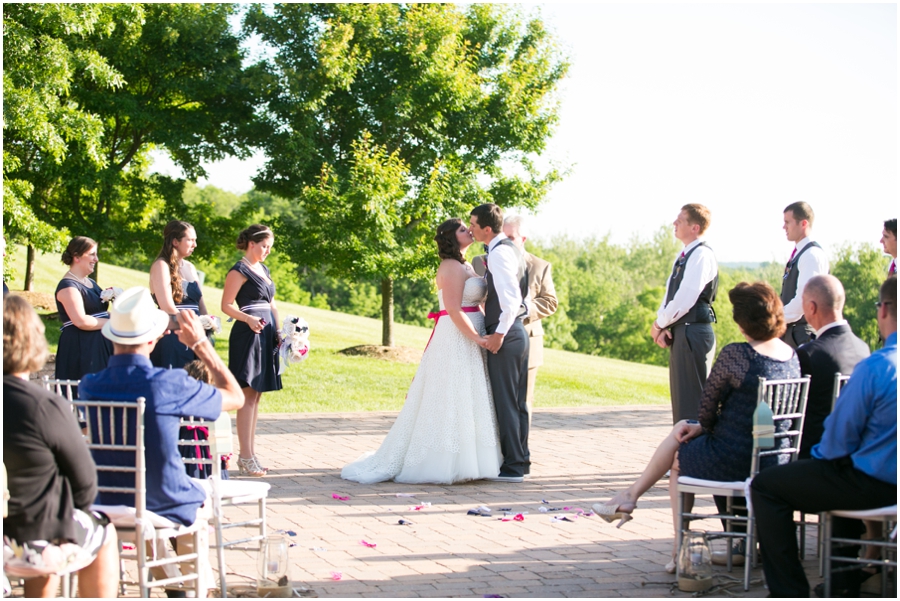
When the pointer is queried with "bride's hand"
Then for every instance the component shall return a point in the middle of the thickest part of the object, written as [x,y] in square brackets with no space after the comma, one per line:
[482,342]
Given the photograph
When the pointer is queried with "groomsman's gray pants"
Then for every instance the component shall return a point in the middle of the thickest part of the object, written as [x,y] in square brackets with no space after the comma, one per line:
[690,359]
[508,371]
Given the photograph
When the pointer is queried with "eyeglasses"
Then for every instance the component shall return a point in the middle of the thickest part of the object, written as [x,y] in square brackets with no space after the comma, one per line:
[880,303]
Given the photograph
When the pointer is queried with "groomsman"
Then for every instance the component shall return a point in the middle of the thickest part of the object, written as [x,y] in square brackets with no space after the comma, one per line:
[685,317]
[889,242]
[807,260]
[541,301]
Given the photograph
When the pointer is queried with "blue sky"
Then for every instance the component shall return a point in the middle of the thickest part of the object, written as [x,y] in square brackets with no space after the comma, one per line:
[742,107]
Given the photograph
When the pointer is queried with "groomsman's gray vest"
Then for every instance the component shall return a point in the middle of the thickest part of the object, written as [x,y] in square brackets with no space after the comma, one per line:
[702,311]
[492,304]
[791,275]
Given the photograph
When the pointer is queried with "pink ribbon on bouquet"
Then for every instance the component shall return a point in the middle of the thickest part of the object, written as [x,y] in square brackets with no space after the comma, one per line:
[437,316]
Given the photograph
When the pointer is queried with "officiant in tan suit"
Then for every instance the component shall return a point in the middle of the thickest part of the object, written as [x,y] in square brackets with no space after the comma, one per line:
[541,301]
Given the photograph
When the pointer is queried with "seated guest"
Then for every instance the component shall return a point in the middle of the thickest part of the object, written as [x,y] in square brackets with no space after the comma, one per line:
[720,445]
[52,479]
[835,349]
[854,467]
[134,327]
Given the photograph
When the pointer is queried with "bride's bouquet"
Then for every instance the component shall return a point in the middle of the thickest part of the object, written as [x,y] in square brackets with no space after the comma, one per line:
[110,294]
[294,345]
[211,323]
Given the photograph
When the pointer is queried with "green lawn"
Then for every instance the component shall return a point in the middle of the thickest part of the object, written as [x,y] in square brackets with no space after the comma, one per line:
[327,381]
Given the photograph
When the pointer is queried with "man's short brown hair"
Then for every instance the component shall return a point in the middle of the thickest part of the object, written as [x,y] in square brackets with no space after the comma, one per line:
[887,295]
[24,345]
[489,215]
[801,210]
[698,215]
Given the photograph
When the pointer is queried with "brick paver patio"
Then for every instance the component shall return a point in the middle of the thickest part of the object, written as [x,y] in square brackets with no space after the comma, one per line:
[579,456]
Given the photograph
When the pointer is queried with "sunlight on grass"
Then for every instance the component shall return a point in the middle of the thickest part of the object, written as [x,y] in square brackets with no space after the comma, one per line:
[327,381]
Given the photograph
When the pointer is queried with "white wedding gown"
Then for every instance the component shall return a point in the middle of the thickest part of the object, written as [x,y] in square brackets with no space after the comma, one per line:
[447,429]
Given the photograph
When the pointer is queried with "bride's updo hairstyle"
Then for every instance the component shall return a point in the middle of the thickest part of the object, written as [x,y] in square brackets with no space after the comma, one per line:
[77,247]
[448,245]
[255,233]
[758,310]
[174,230]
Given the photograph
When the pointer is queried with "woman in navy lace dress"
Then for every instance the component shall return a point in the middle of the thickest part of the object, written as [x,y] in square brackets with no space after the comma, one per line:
[82,349]
[175,287]
[720,445]
[249,298]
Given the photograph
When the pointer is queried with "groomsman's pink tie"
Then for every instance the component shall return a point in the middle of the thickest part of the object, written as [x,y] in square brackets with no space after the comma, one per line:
[893,269]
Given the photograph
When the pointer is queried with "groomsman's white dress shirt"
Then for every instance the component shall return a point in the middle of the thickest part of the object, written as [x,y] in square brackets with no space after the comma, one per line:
[699,270]
[811,263]
[504,267]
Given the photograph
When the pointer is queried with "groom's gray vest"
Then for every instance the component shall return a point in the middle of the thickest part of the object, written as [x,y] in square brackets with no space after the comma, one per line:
[492,304]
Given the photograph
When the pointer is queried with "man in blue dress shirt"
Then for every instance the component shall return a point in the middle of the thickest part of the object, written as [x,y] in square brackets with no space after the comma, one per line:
[853,467]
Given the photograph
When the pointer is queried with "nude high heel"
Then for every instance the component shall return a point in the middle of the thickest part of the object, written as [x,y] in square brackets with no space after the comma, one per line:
[250,467]
[615,510]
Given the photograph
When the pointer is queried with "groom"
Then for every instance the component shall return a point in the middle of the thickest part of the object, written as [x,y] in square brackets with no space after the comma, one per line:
[507,341]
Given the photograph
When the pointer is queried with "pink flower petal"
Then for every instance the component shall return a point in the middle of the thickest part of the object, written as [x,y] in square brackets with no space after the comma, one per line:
[367,544]
[339,497]
[336,575]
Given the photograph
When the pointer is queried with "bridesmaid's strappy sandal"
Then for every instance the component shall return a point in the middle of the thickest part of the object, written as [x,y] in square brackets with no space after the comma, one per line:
[250,467]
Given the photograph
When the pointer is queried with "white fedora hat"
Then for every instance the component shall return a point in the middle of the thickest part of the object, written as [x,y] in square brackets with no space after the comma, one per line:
[134,318]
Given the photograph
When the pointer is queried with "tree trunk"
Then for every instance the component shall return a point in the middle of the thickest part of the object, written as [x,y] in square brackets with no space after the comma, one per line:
[387,312]
[29,269]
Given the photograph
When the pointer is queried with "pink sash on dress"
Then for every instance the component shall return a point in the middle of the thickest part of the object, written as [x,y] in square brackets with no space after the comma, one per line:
[437,316]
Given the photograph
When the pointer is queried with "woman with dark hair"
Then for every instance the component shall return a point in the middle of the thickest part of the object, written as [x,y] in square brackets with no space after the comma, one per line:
[447,430]
[52,478]
[720,445]
[251,350]
[82,349]
[175,287]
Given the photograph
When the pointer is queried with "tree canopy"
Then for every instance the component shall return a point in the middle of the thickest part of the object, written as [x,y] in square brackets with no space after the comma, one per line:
[386,119]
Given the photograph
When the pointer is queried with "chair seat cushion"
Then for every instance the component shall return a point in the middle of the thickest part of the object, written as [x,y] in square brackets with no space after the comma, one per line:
[861,514]
[122,516]
[241,489]
[688,481]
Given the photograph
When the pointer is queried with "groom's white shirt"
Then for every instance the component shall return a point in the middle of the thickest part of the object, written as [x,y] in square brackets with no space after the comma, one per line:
[504,266]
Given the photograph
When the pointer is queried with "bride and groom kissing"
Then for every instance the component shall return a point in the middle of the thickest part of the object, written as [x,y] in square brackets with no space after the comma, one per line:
[465,416]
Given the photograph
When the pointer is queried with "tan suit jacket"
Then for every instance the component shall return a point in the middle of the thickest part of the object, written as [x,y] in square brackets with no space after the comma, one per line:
[542,302]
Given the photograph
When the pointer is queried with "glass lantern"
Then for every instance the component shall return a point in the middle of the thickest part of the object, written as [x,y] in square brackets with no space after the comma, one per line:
[694,563]
[274,580]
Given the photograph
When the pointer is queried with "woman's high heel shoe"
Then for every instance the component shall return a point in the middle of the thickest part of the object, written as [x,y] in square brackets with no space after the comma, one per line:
[265,469]
[611,512]
[250,467]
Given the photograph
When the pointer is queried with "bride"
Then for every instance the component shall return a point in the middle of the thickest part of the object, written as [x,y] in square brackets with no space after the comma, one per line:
[447,429]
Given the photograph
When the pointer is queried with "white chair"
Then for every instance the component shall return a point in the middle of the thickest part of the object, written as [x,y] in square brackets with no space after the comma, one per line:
[888,517]
[787,400]
[118,427]
[64,388]
[226,493]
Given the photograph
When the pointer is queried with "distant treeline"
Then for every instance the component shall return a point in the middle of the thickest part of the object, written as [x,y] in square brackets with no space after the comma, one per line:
[609,293]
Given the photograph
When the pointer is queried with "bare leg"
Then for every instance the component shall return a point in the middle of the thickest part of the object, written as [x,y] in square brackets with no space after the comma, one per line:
[41,587]
[246,422]
[255,415]
[101,577]
[662,461]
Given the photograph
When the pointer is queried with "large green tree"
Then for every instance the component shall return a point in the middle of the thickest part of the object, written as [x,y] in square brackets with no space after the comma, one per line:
[48,53]
[180,87]
[386,119]
[861,269]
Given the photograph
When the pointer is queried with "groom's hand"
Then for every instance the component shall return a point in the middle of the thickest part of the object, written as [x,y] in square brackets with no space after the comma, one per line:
[494,342]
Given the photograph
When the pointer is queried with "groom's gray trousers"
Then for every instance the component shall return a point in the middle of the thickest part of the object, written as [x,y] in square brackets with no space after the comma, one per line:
[508,371]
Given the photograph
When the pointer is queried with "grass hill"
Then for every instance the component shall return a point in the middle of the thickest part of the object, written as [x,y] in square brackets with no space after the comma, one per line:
[328,381]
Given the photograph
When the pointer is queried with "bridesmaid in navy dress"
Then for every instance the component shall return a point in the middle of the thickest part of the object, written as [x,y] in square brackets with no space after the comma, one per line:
[82,348]
[175,287]
[254,338]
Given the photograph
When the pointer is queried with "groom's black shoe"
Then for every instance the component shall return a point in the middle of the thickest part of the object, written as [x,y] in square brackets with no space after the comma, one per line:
[506,478]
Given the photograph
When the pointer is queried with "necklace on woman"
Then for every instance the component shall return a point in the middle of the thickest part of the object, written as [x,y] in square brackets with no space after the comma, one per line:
[76,278]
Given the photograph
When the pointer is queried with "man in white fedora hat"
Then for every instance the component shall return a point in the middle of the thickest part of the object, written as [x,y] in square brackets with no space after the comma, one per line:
[134,327]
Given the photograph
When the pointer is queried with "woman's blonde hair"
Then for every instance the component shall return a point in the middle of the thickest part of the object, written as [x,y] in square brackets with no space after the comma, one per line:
[24,345]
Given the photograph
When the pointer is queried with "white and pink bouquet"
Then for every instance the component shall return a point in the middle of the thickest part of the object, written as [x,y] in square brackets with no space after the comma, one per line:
[211,323]
[110,294]
[294,345]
